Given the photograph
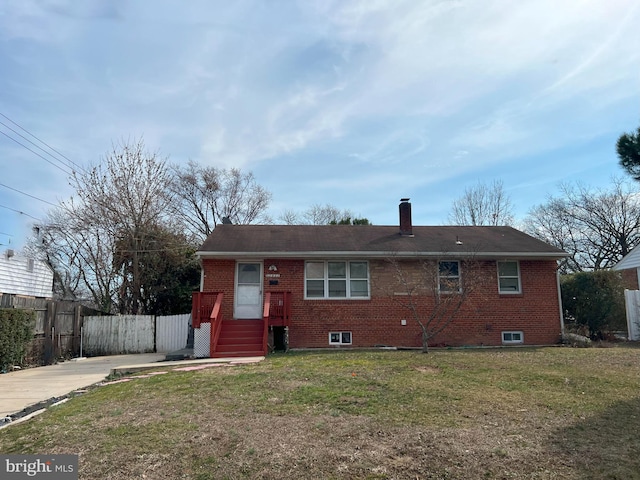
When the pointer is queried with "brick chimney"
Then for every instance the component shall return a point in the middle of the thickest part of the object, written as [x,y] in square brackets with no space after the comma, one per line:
[406,228]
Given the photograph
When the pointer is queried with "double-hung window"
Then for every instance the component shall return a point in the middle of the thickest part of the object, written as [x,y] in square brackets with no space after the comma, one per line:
[336,279]
[509,277]
[449,276]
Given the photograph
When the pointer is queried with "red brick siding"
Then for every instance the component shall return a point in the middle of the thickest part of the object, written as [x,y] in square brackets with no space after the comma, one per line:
[630,278]
[377,321]
[219,276]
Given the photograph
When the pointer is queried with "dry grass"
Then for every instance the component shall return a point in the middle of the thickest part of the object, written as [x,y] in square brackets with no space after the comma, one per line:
[516,413]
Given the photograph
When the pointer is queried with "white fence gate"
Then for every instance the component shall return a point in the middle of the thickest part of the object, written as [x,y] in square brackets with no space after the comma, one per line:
[118,334]
[172,332]
[632,302]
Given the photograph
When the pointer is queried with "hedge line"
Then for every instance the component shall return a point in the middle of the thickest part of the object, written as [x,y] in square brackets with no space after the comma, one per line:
[16,331]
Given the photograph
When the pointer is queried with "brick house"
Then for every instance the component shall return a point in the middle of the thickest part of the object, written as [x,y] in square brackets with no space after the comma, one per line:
[321,286]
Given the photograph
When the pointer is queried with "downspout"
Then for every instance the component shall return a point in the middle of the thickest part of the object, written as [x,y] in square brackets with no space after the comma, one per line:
[201,274]
[560,303]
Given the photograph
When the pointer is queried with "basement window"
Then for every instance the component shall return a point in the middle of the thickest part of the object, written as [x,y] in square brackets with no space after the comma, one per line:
[509,338]
[339,338]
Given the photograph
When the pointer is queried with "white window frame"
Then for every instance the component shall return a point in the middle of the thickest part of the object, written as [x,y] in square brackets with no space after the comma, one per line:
[509,292]
[341,338]
[347,279]
[457,277]
[511,341]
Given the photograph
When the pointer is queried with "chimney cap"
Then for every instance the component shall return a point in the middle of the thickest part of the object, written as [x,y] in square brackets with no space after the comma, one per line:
[404,199]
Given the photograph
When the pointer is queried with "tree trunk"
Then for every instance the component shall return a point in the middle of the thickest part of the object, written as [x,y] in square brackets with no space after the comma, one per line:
[425,340]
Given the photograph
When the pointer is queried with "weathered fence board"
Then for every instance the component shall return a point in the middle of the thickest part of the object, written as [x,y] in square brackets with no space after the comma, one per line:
[172,332]
[632,302]
[118,334]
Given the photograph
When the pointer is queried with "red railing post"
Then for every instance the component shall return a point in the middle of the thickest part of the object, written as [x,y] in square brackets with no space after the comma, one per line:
[216,323]
[265,319]
[287,308]
[195,309]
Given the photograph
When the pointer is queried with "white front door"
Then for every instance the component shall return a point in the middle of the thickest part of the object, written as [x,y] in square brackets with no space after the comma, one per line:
[248,296]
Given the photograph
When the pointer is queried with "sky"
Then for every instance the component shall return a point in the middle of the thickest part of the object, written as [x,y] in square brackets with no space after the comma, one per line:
[356,104]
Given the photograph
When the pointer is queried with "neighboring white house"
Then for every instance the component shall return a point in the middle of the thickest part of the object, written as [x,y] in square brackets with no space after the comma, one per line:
[25,276]
[629,267]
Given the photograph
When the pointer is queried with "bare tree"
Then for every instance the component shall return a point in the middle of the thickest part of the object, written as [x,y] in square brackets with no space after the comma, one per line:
[94,240]
[80,257]
[205,196]
[289,217]
[434,291]
[549,223]
[318,214]
[126,195]
[322,215]
[596,227]
[484,204]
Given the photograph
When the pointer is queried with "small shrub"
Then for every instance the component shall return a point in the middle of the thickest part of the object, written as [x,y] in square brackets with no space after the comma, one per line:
[595,300]
[16,331]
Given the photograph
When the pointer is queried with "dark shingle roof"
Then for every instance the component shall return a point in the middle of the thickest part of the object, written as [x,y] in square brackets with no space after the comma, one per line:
[296,241]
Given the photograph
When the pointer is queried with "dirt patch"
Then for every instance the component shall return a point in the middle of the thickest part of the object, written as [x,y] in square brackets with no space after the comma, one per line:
[312,447]
[427,369]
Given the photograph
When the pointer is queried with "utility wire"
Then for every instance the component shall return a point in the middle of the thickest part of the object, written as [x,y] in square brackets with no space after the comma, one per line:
[36,153]
[37,146]
[7,234]
[23,193]
[75,165]
[21,213]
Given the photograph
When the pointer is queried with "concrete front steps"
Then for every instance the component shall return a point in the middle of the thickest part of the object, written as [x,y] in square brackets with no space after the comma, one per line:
[240,338]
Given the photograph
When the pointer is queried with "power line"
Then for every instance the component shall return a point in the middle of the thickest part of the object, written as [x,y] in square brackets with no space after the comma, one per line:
[28,195]
[37,146]
[36,153]
[77,167]
[20,212]
[7,234]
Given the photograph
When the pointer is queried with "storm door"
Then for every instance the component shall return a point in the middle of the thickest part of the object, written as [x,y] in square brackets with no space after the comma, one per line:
[248,298]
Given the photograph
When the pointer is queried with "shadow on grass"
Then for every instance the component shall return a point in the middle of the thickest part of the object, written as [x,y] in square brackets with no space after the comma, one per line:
[605,445]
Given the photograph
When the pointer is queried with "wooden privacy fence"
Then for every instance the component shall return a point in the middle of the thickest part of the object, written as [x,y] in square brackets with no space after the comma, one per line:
[632,303]
[120,334]
[65,329]
[57,328]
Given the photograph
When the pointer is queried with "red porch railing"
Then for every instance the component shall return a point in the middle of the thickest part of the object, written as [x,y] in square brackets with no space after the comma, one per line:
[206,307]
[265,319]
[202,304]
[280,309]
[216,323]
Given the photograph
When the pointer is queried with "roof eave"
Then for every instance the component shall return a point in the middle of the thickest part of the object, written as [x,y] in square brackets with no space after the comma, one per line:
[379,254]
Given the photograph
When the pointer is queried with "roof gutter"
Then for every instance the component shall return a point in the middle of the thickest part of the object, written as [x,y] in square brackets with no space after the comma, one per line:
[378,254]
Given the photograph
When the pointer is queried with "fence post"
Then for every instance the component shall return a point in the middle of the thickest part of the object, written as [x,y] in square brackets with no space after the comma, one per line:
[49,321]
[77,311]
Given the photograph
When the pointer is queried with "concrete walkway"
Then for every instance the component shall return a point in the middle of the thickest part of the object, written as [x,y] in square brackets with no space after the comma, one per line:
[23,389]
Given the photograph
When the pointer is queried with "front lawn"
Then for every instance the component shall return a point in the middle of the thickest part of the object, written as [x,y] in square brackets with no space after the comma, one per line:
[547,413]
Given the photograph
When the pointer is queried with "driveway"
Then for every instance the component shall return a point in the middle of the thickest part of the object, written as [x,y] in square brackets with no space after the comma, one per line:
[24,388]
